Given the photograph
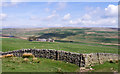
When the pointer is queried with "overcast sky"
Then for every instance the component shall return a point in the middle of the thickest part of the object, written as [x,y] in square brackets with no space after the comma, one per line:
[59,14]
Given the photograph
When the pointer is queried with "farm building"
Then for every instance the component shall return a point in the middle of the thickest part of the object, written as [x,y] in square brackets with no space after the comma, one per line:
[50,40]
[40,39]
[45,40]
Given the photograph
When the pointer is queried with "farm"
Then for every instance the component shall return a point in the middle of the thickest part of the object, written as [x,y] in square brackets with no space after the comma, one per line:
[79,40]
[65,36]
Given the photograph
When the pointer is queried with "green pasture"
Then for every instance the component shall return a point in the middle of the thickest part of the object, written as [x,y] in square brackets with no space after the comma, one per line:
[9,44]
[16,64]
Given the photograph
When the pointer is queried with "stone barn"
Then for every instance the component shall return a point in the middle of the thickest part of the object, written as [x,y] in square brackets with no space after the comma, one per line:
[44,40]
[50,40]
[41,40]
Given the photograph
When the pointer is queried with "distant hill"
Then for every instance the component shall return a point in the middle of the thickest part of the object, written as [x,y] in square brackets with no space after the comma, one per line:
[67,34]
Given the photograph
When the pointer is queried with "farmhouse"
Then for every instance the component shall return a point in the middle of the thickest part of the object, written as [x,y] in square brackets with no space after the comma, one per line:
[40,39]
[45,40]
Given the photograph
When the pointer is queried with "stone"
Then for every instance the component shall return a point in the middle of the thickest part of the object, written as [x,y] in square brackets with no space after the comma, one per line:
[82,68]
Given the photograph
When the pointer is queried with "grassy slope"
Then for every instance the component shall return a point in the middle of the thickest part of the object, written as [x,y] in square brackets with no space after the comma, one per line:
[14,44]
[106,67]
[45,65]
[48,65]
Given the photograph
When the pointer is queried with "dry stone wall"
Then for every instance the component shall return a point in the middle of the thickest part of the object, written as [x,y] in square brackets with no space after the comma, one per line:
[93,58]
[82,60]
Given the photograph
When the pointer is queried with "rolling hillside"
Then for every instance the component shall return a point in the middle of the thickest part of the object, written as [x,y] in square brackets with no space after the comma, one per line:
[80,40]
[106,36]
[48,65]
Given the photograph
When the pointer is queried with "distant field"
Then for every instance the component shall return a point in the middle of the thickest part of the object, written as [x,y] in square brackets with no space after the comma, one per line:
[9,44]
[85,35]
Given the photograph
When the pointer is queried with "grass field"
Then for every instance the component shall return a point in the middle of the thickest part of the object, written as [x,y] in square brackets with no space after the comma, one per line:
[67,39]
[45,65]
[15,64]
[109,67]
[9,44]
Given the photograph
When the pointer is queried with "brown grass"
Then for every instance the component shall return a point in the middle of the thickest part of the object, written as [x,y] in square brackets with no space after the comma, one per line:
[26,60]
[7,56]
[27,55]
